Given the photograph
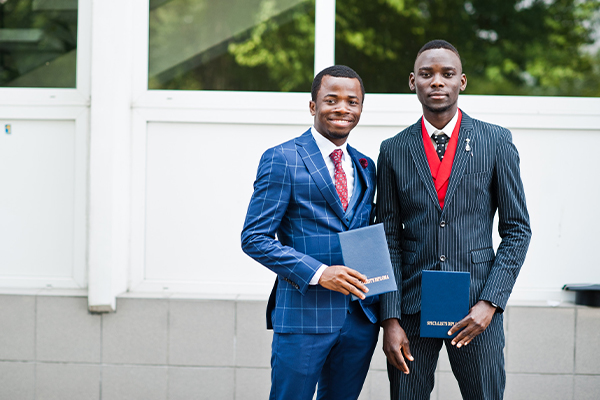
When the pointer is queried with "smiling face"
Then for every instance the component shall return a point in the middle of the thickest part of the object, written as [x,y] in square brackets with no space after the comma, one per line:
[438,79]
[337,108]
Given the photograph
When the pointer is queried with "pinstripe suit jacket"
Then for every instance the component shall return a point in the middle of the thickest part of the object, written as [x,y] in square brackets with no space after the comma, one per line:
[295,199]
[421,234]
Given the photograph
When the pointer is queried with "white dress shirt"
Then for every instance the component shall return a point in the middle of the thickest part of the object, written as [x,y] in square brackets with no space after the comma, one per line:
[448,129]
[326,148]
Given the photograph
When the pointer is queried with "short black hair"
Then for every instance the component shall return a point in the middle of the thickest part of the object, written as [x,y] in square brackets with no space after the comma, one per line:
[438,44]
[338,71]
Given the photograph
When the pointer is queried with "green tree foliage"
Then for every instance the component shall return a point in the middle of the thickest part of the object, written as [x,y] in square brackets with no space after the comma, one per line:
[38,44]
[533,47]
[528,47]
[275,54]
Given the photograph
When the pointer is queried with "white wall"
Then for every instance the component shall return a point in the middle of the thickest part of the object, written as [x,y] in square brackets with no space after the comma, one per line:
[153,205]
[194,210]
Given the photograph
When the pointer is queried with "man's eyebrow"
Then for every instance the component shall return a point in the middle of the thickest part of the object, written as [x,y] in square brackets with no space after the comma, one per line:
[428,68]
[337,95]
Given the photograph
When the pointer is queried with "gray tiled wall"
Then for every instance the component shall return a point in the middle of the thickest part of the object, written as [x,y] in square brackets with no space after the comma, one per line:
[185,349]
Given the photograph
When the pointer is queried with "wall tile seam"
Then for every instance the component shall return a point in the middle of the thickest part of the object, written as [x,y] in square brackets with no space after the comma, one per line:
[575,318]
[506,320]
[168,345]
[235,333]
[101,374]
[128,365]
[541,373]
[35,341]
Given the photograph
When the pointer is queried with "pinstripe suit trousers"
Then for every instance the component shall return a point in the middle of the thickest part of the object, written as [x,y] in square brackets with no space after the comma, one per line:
[478,367]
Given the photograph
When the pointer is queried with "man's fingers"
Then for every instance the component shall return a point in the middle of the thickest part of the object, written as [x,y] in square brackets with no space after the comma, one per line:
[362,278]
[344,280]
[398,361]
[348,287]
[457,327]
[406,351]
[354,286]
[361,286]
[356,292]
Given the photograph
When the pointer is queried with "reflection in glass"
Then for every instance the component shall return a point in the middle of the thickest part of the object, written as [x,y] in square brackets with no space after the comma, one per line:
[231,44]
[516,47]
[38,43]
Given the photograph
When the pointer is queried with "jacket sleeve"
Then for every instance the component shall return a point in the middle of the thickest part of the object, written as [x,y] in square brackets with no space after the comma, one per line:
[513,224]
[268,205]
[388,212]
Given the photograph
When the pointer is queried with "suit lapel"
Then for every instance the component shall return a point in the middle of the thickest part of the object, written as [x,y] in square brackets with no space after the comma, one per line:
[313,160]
[460,157]
[418,154]
[363,176]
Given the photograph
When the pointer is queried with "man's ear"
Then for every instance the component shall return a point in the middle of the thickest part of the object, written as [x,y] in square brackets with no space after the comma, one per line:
[411,82]
[463,82]
[312,107]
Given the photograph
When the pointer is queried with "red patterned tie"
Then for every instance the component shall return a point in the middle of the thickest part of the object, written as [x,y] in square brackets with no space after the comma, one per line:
[341,185]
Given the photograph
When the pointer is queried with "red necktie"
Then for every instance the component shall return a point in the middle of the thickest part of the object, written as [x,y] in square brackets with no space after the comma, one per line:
[341,185]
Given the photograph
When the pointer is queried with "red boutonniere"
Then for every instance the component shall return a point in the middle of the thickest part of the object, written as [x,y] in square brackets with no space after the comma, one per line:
[363,162]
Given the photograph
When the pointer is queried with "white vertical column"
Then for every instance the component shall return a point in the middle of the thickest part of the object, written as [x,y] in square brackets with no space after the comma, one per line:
[110,152]
[324,34]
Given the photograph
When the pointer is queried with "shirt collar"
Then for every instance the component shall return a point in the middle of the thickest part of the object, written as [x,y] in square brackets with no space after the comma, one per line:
[448,129]
[326,146]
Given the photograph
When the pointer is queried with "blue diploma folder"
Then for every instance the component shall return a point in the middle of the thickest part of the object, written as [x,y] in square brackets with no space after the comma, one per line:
[365,250]
[444,301]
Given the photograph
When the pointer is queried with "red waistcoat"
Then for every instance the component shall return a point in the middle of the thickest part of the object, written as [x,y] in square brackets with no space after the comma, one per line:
[440,170]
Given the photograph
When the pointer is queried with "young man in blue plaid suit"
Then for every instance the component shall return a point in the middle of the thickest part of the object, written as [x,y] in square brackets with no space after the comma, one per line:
[307,190]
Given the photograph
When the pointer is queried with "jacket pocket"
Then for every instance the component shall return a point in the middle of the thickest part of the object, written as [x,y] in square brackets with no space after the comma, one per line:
[482,255]
[408,257]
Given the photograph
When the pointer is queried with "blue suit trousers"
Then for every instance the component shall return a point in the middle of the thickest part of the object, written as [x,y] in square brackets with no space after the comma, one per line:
[337,361]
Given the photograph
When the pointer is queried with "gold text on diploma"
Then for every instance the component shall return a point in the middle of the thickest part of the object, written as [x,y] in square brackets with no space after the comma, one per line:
[378,279]
[441,323]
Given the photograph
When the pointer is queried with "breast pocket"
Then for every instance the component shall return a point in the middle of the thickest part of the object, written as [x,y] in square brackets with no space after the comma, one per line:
[476,190]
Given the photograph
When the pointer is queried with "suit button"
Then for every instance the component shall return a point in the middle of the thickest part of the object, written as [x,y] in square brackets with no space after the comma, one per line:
[443,224]
[442,258]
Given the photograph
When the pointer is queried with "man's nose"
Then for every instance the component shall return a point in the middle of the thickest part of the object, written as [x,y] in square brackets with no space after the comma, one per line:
[342,107]
[437,80]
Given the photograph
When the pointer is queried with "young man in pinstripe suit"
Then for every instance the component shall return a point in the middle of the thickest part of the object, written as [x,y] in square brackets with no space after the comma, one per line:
[307,190]
[440,183]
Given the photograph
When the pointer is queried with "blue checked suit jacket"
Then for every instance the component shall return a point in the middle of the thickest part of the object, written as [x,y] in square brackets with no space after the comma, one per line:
[291,228]
[483,180]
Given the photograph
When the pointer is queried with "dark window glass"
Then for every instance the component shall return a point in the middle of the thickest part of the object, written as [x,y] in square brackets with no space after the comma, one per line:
[231,44]
[38,43]
[525,47]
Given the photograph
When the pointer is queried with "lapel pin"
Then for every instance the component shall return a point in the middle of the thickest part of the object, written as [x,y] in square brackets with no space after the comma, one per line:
[468,146]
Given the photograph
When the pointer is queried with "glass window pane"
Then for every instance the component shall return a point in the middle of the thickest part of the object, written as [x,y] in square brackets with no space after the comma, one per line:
[231,44]
[512,47]
[38,43]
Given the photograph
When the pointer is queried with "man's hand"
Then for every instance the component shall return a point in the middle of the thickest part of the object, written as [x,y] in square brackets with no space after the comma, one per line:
[395,342]
[473,324]
[344,280]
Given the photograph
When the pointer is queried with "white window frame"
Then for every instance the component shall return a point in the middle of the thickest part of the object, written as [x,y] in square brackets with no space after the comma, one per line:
[66,104]
[389,110]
